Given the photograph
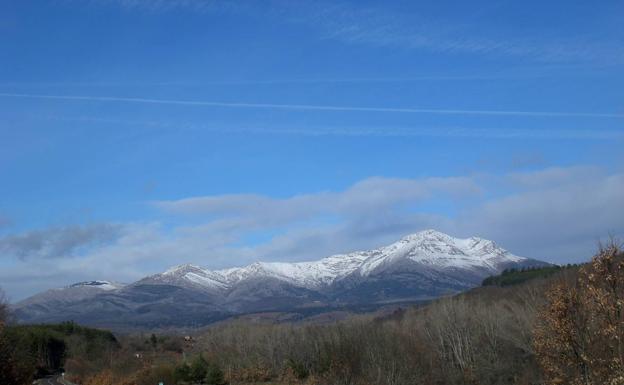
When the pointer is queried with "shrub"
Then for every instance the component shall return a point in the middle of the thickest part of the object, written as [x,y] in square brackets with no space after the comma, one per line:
[182,373]
[214,375]
[298,368]
[198,369]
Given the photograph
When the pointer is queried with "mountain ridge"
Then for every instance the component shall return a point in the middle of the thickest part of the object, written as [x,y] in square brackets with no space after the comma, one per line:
[419,266]
[326,270]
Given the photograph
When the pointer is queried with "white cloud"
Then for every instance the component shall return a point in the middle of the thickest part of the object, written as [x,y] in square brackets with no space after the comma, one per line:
[556,214]
[57,242]
[557,221]
[555,176]
[376,192]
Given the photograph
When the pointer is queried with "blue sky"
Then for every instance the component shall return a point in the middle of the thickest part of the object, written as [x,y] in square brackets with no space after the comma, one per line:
[140,134]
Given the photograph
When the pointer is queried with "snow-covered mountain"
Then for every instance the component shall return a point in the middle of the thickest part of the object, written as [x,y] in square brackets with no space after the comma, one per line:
[419,266]
[430,248]
[44,303]
[75,291]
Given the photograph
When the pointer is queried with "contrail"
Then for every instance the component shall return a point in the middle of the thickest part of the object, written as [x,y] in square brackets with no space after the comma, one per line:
[310,107]
[277,81]
[377,131]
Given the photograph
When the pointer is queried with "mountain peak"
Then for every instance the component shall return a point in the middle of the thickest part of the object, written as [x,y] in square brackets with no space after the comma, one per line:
[183,269]
[427,234]
[429,248]
[432,237]
[419,266]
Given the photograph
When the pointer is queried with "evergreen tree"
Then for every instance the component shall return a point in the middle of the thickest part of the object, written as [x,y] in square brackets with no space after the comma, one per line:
[198,369]
[214,376]
[182,373]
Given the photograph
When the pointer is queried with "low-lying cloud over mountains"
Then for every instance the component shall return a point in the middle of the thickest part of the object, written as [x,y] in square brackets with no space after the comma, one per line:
[418,267]
[555,214]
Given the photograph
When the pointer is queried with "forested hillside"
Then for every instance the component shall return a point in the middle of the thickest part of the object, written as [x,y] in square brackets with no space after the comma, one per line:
[31,351]
[516,276]
[559,327]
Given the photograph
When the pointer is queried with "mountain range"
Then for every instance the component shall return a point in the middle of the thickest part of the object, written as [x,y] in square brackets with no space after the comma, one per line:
[418,267]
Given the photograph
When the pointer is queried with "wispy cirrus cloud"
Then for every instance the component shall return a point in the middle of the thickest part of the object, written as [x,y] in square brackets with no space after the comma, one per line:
[499,75]
[357,24]
[379,26]
[493,132]
[310,107]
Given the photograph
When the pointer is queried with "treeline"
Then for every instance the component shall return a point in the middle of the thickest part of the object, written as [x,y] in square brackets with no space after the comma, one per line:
[517,276]
[483,338]
[454,341]
[565,329]
[31,351]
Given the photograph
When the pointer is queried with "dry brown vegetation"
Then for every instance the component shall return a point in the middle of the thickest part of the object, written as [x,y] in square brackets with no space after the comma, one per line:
[480,338]
[580,334]
[483,337]
[565,329]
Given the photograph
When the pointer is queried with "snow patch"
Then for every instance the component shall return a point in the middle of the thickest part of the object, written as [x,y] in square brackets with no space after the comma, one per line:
[431,248]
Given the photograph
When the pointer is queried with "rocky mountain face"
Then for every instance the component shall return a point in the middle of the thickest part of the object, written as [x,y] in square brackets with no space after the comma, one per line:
[420,266]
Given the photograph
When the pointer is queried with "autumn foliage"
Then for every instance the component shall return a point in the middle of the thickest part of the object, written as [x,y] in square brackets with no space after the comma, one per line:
[579,338]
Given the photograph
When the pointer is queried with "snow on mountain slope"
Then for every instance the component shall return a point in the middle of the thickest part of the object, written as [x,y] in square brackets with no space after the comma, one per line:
[190,275]
[429,248]
[439,251]
[75,292]
[418,267]
[305,274]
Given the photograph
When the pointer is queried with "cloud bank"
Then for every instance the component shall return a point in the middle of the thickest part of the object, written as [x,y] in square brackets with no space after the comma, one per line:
[555,214]
[57,242]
